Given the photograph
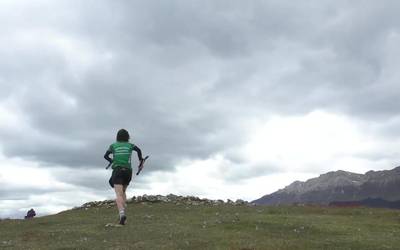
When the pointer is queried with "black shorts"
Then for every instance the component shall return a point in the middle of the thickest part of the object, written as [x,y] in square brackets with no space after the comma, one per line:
[121,176]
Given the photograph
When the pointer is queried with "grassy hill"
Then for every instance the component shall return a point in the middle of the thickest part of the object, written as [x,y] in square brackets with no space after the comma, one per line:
[170,226]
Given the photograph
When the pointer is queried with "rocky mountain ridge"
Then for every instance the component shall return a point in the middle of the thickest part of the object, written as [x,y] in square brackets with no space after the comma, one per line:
[339,186]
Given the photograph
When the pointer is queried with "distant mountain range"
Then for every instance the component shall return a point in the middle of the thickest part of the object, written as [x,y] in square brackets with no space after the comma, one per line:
[340,186]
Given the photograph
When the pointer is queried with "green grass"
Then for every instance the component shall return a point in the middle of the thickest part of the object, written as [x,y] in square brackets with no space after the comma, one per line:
[169,226]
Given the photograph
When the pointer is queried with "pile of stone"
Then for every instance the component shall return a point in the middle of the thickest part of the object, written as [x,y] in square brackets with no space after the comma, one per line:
[183,200]
[106,203]
[171,198]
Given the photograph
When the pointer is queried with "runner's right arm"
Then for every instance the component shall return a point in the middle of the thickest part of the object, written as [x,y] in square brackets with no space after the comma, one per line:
[107,156]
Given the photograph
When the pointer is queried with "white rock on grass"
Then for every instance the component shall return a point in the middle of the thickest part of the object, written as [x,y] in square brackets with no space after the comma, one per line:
[112,225]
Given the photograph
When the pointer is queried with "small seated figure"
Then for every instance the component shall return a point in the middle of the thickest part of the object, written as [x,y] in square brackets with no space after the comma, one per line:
[31,213]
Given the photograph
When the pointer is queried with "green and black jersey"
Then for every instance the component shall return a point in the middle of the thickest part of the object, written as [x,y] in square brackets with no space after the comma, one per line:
[122,152]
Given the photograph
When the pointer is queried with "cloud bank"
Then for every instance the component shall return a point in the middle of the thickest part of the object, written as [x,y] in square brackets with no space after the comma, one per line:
[240,90]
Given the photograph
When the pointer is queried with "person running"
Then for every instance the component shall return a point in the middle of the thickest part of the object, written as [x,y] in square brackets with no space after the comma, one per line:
[122,169]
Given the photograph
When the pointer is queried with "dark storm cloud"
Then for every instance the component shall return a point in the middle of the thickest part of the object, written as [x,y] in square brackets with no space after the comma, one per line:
[183,77]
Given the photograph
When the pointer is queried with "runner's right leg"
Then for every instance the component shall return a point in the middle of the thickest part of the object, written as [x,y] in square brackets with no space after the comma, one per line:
[119,191]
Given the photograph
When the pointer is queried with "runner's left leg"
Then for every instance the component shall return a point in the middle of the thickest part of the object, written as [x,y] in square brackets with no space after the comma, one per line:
[124,195]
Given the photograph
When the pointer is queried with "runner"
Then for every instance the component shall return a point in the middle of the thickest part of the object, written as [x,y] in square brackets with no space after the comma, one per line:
[122,169]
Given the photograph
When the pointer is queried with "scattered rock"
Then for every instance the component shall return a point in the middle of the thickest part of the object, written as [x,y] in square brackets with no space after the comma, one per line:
[240,202]
[146,216]
[113,225]
[7,242]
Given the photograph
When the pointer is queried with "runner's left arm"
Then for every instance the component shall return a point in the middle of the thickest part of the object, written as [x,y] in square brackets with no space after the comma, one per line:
[139,152]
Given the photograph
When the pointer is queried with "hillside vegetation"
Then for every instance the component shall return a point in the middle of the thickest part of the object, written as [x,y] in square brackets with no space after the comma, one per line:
[166,225]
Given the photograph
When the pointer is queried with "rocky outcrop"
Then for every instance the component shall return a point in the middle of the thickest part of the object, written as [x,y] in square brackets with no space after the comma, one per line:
[106,203]
[171,198]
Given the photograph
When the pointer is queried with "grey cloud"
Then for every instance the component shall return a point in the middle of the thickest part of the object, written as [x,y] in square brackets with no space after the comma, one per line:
[23,192]
[237,173]
[183,77]
[83,178]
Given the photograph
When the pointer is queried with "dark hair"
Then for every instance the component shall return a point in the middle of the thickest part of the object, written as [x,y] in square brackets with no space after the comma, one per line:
[123,135]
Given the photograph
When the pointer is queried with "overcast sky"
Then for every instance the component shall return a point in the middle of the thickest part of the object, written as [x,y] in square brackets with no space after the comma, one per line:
[231,99]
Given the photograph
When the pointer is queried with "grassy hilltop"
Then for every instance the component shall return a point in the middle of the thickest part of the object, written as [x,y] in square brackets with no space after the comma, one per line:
[165,225]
